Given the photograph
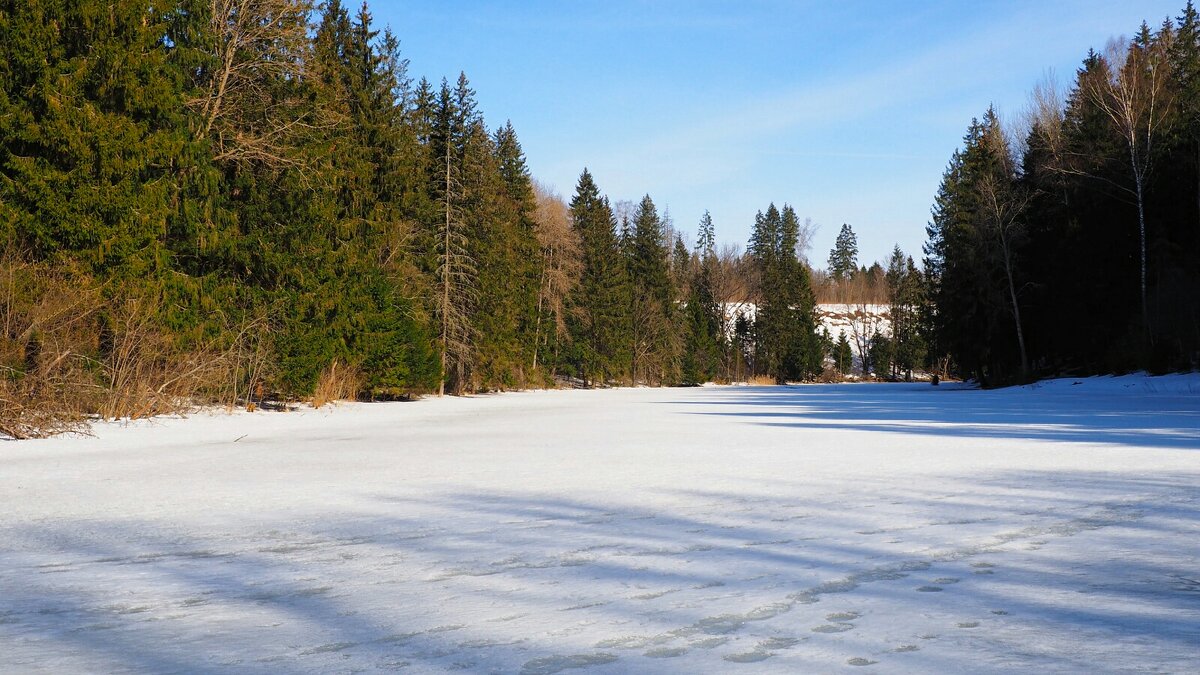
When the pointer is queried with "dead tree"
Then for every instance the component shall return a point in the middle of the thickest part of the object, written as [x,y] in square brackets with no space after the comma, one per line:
[456,275]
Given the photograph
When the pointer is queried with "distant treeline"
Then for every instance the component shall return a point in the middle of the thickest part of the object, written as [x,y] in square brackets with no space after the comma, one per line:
[246,202]
[241,202]
[1074,245]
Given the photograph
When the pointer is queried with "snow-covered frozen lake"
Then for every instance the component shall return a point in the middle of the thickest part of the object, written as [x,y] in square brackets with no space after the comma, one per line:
[904,528]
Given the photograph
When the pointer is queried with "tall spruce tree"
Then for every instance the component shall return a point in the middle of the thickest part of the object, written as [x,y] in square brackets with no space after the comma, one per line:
[599,325]
[653,339]
[786,345]
[704,343]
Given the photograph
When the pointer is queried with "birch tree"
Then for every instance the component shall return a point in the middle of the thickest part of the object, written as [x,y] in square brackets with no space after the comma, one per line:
[1135,97]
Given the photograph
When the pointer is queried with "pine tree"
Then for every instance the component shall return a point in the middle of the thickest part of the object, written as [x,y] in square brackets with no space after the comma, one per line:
[1185,67]
[975,240]
[905,297]
[508,271]
[455,271]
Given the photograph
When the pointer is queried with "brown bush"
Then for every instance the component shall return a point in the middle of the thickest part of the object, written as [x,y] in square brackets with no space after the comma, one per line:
[68,355]
[338,382]
[46,332]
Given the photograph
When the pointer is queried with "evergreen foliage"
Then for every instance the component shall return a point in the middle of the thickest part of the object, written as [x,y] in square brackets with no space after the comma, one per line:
[843,259]
[262,186]
[906,296]
[786,346]
[705,344]
[843,356]
[1083,254]
[600,324]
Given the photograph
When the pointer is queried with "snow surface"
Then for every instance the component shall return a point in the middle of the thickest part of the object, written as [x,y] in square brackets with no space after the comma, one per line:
[905,528]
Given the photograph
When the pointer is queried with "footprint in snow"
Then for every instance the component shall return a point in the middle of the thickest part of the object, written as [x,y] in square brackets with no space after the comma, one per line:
[665,652]
[929,589]
[946,581]
[329,648]
[748,657]
[968,624]
[842,616]
[710,643]
[547,665]
[860,661]
[906,648]
[777,643]
[653,594]
[833,628]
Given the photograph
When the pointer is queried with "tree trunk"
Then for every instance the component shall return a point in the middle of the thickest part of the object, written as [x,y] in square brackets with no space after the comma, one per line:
[446,279]
[1016,307]
[537,330]
[1139,180]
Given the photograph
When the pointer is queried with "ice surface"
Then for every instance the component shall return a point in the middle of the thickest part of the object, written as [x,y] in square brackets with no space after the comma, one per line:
[716,529]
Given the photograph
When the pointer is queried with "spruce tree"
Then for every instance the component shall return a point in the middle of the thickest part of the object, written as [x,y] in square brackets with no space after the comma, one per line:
[91,122]
[599,326]
[843,258]
[843,356]
[704,343]
[654,342]
[786,344]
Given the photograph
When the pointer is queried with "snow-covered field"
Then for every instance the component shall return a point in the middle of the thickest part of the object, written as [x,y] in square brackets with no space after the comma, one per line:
[904,528]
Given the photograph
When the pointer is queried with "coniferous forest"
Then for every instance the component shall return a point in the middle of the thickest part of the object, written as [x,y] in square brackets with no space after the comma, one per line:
[1073,244]
[243,203]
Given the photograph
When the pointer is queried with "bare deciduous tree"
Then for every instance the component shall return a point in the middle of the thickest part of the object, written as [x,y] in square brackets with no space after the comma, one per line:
[560,265]
[863,304]
[257,44]
[1004,205]
[1135,97]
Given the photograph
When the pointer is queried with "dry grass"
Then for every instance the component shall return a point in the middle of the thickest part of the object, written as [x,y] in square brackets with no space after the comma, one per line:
[68,355]
[47,326]
[830,376]
[761,380]
[338,382]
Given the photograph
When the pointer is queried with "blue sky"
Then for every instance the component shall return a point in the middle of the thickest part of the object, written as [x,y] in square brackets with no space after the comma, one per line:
[849,111]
